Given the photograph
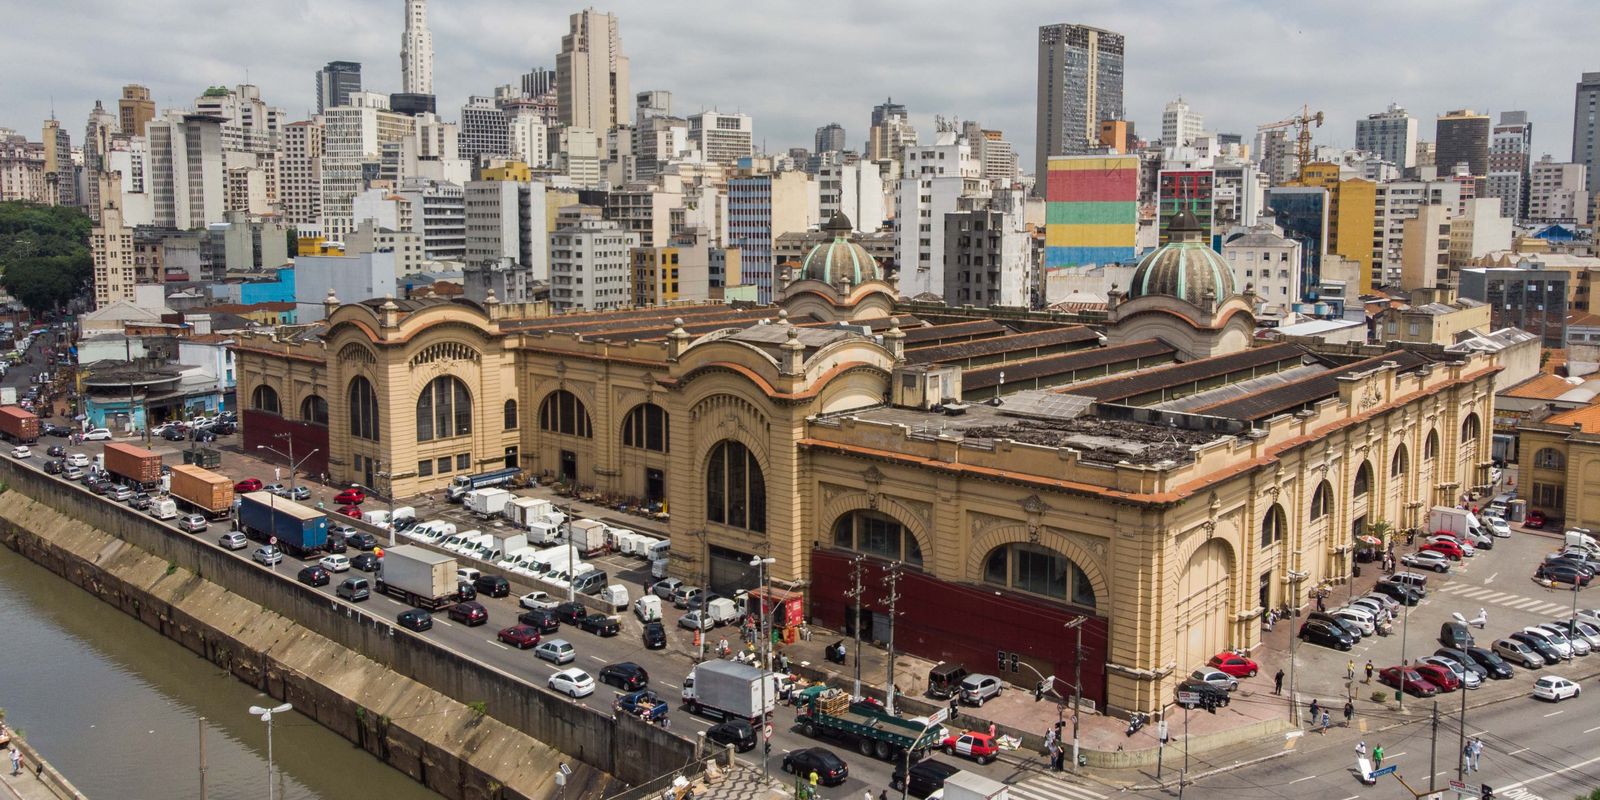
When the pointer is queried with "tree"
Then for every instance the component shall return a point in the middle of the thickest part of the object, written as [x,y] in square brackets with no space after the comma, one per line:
[42,283]
[44,253]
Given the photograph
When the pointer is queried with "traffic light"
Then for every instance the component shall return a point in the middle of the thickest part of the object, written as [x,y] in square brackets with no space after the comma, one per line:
[1486,793]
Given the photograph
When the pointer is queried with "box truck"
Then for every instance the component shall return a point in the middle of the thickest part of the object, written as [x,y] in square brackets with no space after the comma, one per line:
[134,466]
[18,425]
[487,503]
[588,536]
[524,511]
[202,491]
[300,531]
[418,577]
[502,543]
[966,785]
[728,690]
[1457,521]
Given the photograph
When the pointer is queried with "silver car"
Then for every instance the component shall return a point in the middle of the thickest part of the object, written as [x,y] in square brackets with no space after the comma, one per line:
[556,651]
[1215,677]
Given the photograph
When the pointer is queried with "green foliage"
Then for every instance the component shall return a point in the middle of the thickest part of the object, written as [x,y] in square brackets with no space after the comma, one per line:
[479,708]
[44,253]
[1380,696]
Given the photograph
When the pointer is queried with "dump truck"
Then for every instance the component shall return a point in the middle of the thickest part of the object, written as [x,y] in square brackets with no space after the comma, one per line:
[132,465]
[729,690]
[202,491]
[873,730]
[418,577]
[19,425]
[300,531]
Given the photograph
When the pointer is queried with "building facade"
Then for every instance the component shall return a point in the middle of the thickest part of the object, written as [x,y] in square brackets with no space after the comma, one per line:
[592,74]
[1586,129]
[590,266]
[1462,137]
[1556,191]
[416,50]
[1079,86]
[1391,134]
[1509,157]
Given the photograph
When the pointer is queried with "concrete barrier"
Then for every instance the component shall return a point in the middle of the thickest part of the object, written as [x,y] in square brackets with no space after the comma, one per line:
[47,775]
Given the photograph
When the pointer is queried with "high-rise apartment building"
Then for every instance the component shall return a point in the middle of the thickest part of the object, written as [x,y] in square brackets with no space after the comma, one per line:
[1278,160]
[590,266]
[890,133]
[1180,124]
[830,137]
[98,134]
[1391,135]
[1394,203]
[416,50]
[1556,191]
[506,219]
[135,109]
[187,171]
[936,180]
[1352,212]
[300,173]
[854,190]
[1509,155]
[987,259]
[592,74]
[528,139]
[1586,129]
[1462,138]
[1080,84]
[60,174]
[354,141]
[722,138]
[336,82]
[997,160]
[21,168]
[760,209]
[111,246]
[484,129]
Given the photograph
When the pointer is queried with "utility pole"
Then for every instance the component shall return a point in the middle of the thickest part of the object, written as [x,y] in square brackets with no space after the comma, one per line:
[1077,688]
[1183,777]
[200,726]
[854,593]
[1461,755]
[1433,748]
[1405,627]
[1294,638]
[891,581]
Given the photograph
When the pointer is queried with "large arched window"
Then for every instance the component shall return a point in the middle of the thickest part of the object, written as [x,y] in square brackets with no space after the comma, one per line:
[1470,428]
[1038,570]
[1274,524]
[877,535]
[736,491]
[645,427]
[314,410]
[363,409]
[444,409]
[1322,501]
[1549,458]
[563,412]
[511,415]
[1400,462]
[1363,480]
[265,398]
[1430,447]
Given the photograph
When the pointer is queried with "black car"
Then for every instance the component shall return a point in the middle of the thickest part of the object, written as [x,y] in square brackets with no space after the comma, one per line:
[1579,564]
[543,619]
[1563,573]
[366,562]
[1316,631]
[1203,689]
[492,585]
[54,467]
[56,451]
[205,436]
[52,429]
[570,613]
[830,769]
[471,613]
[600,625]
[415,619]
[735,732]
[313,576]
[626,676]
[361,541]
[174,435]
[1491,662]
[1400,593]
[336,544]
[224,428]
[655,636]
[1538,645]
[1349,626]
[927,777]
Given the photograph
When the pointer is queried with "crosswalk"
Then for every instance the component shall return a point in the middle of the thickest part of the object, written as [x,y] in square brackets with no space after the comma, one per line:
[1047,787]
[1490,597]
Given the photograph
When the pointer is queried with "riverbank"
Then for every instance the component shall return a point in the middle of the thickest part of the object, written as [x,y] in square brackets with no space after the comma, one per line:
[37,780]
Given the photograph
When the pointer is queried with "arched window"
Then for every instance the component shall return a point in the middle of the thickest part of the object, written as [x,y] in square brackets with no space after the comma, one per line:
[511,415]
[1549,458]
[1038,570]
[1470,428]
[1401,461]
[1363,480]
[265,398]
[314,410]
[563,412]
[1322,501]
[363,409]
[877,535]
[736,491]
[1430,448]
[645,427]
[444,409]
[1274,524]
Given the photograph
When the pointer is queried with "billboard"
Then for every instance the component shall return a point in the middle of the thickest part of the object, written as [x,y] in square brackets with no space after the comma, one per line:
[1091,210]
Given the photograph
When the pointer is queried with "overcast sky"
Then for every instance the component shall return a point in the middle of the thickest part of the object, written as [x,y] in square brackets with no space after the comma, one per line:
[796,65]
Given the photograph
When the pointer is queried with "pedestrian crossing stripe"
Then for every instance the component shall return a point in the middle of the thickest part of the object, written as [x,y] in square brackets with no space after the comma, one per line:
[1043,787]
[1515,602]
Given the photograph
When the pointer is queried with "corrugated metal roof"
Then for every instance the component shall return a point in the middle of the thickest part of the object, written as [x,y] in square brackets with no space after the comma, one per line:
[1070,334]
[1294,395]
[1064,363]
[1122,387]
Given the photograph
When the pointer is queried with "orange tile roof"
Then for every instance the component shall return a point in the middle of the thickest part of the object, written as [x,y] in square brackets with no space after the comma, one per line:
[1583,318]
[1541,387]
[1584,419]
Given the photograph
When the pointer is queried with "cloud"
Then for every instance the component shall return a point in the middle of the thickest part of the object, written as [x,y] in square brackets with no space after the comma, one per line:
[797,65]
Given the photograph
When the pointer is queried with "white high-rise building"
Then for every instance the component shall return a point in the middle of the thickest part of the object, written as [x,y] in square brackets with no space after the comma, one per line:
[528,138]
[592,75]
[1391,134]
[855,190]
[1180,124]
[355,138]
[186,170]
[590,266]
[722,138]
[1395,203]
[1556,191]
[506,219]
[416,50]
[300,173]
[935,181]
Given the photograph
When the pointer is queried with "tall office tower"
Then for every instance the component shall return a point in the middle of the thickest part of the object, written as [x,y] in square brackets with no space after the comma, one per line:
[187,183]
[484,129]
[336,82]
[111,246]
[1080,84]
[760,209]
[1509,148]
[592,75]
[722,138]
[1463,138]
[97,136]
[300,173]
[1586,128]
[135,109]
[1557,192]
[1392,135]
[416,50]
[891,132]
[1180,124]
[60,175]
[830,137]
[538,82]
[353,144]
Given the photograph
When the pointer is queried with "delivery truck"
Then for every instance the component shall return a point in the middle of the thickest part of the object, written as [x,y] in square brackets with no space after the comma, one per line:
[202,491]
[524,511]
[465,483]
[301,532]
[418,577]
[729,690]
[966,785]
[134,466]
[831,713]
[19,425]
[1457,521]
[487,503]
[588,536]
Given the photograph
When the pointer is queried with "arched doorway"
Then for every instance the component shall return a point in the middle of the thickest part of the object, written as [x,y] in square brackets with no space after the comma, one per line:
[1202,603]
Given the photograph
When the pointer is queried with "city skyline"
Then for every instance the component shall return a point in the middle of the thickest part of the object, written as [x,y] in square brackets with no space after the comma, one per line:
[988,63]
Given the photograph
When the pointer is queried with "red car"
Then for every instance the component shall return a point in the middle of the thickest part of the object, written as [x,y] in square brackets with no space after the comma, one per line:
[1446,548]
[974,745]
[247,485]
[1535,519]
[351,511]
[1416,685]
[1444,679]
[521,637]
[1234,664]
[349,497]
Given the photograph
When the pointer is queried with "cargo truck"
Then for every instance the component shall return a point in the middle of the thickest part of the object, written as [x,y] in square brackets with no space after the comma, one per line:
[202,491]
[465,483]
[19,425]
[487,503]
[872,730]
[729,690]
[1457,521]
[588,536]
[418,577]
[502,543]
[300,531]
[524,511]
[134,466]
[966,785]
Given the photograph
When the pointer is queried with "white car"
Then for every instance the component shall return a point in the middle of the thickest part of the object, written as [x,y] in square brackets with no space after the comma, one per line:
[335,562]
[1363,621]
[572,682]
[97,435]
[21,451]
[1589,615]
[1555,688]
[1427,559]
[1499,528]
[1580,629]
[536,600]
[77,460]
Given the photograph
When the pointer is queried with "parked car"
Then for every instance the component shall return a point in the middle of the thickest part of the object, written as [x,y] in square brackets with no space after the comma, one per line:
[1534,519]
[1499,528]
[1568,574]
[276,489]
[1555,688]
[267,554]
[1214,677]
[976,745]
[1445,546]
[696,620]
[543,619]
[830,769]
[247,485]
[1360,619]
[1455,634]
[735,732]
[626,676]
[665,588]
[1327,634]
[1493,665]
[1415,684]
[415,619]
[1400,592]
[556,651]
[335,563]
[354,512]
[924,779]
[600,625]
[654,636]
[299,493]
[1442,679]
[1234,664]
[978,688]
[519,636]
[572,682]
[1348,626]
[97,435]
[313,575]
[1203,689]
[1462,543]
[1538,645]
[470,614]
[1427,559]
[1461,662]
[350,497]
[1464,676]
[354,589]
[570,613]
[683,594]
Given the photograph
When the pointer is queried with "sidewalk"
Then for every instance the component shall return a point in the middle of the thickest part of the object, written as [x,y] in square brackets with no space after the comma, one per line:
[37,781]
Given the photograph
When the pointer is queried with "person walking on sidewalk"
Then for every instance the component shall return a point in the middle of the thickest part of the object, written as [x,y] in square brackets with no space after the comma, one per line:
[1369,670]
[1361,749]
[1349,712]
[1325,722]
[16,761]
[1314,709]
[1377,757]
[1277,682]
[1349,669]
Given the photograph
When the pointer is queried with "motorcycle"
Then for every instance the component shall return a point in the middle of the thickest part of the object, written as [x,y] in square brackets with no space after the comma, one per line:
[1136,722]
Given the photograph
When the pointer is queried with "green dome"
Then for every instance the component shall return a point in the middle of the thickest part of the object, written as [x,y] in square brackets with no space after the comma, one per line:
[1186,268]
[840,259]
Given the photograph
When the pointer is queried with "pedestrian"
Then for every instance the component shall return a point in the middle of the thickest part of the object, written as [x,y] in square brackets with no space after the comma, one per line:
[1325,722]
[1314,709]
[1477,752]
[1377,757]
[867,795]
[991,730]
[954,709]
[16,761]
[1050,739]
[1349,669]
[1466,756]
[1361,749]
[1321,606]
[1277,682]
[813,779]
[1369,670]
[1349,712]
[883,794]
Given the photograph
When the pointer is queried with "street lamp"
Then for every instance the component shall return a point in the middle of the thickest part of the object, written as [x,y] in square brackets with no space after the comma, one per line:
[1294,638]
[761,565]
[266,715]
[294,466]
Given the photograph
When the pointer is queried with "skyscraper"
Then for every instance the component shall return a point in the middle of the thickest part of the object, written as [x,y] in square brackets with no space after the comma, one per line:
[1391,134]
[1586,128]
[1180,124]
[891,132]
[1508,163]
[538,82]
[1080,84]
[59,173]
[335,83]
[830,137]
[592,75]
[416,50]
[135,109]
[1463,138]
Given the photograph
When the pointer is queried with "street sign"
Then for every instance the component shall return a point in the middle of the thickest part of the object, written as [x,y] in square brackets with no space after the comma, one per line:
[1378,773]
[1461,788]
[273,540]
[565,770]
[1188,698]
[938,716]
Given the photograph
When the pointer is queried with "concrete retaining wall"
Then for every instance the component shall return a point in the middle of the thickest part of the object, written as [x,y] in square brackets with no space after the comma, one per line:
[48,775]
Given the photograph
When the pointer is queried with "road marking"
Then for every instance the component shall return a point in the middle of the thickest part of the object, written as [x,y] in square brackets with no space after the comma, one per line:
[1515,752]
[1475,592]
[1491,577]
[497,644]
[599,659]
[1352,797]
[1547,774]
[1497,597]
[1387,756]
[445,622]
[674,686]
[1306,778]
[1553,713]
[1592,730]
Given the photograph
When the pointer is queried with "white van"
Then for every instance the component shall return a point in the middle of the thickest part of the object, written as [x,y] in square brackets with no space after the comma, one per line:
[657,551]
[455,542]
[551,562]
[164,508]
[511,559]
[543,532]
[440,531]
[722,611]
[377,519]
[403,513]
[647,608]
[1577,537]
[479,546]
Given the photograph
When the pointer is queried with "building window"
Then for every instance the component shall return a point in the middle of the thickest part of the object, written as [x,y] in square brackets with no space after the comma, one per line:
[563,412]
[1549,458]
[511,415]
[1273,526]
[1363,480]
[464,461]
[444,409]
[1038,570]
[1549,495]
[363,409]
[1430,448]
[314,410]
[444,465]
[736,489]
[264,398]
[1322,501]
[1470,428]
[424,467]
[1397,467]
[645,427]
[877,535]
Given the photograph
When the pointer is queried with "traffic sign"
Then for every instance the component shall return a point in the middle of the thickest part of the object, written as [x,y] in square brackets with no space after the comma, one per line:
[1461,788]
[273,540]
[1378,773]
[938,716]
[1188,698]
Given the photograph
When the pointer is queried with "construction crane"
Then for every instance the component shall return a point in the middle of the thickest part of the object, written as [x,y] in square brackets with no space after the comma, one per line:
[1305,121]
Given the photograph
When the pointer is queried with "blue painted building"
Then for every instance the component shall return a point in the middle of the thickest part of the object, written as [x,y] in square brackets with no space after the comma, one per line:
[274,291]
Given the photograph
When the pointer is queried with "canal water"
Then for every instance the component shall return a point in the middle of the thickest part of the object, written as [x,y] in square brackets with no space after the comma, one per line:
[115,707]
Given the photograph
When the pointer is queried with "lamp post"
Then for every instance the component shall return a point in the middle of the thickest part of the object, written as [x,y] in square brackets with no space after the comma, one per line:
[294,466]
[1077,688]
[1294,638]
[761,565]
[266,715]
